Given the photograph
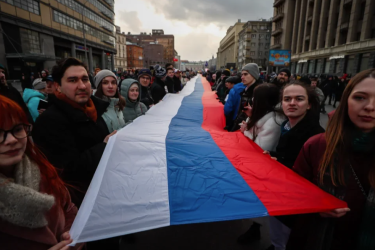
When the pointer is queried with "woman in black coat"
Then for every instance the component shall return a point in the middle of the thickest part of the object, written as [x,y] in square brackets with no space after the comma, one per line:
[300,105]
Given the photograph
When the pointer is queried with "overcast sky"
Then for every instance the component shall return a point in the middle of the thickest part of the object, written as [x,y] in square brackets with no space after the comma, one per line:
[197,25]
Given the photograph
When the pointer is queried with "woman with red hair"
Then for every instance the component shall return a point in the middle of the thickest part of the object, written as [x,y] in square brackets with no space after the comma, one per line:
[35,207]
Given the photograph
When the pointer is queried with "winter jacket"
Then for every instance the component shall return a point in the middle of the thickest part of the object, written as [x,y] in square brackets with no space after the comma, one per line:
[157,91]
[161,83]
[132,109]
[13,94]
[177,84]
[169,82]
[72,142]
[60,219]
[246,95]
[320,94]
[146,96]
[346,228]
[113,117]
[221,88]
[32,98]
[267,131]
[234,98]
[291,142]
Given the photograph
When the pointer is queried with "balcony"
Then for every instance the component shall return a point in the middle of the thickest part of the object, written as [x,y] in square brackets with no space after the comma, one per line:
[248,38]
[278,17]
[278,3]
[276,46]
[277,32]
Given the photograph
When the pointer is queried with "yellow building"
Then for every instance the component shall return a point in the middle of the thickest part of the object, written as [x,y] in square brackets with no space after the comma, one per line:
[34,34]
[228,50]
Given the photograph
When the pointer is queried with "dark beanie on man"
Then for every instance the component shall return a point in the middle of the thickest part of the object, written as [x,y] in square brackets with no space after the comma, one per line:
[233,79]
[226,72]
[144,72]
[285,70]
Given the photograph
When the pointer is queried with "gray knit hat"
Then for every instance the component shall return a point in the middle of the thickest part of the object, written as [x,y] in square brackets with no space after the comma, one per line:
[103,74]
[39,84]
[160,72]
[253,70]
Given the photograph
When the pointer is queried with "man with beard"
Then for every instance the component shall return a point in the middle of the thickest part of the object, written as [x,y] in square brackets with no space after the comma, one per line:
[13,94]
[71,132]
[282,78]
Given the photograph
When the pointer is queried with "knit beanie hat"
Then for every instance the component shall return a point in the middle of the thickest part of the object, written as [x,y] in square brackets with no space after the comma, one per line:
[145,72]
[233,79]
[2,66]
[39,84]
[253,70]
[285,70]
[101,75]
[226,72]
[160,72]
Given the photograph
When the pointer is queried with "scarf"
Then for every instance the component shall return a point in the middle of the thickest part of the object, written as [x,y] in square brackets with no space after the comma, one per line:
[21,203]
[89,108]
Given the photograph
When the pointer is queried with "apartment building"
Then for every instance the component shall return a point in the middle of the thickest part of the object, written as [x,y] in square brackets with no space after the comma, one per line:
[134,55]
[34,34]
[254,43]
[120,57]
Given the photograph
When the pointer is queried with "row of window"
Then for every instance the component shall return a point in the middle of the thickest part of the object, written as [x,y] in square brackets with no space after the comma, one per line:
[75,24]
[261,27]
[88,13]
[103,8]
[29,5]
[30,41]
[260,53]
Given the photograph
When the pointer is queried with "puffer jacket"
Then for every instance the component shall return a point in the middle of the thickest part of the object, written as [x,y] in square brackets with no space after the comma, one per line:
[133,109]
[32,98]
[113,117]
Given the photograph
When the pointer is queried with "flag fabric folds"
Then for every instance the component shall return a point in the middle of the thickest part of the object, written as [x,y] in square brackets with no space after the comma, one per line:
[176,165]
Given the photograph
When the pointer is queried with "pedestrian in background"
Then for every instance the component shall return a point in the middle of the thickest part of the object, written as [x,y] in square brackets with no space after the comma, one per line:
[342,162]
[32,97]
[107,90]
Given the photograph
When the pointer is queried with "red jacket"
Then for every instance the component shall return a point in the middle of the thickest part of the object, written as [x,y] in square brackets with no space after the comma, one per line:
[346,227]
[60,219]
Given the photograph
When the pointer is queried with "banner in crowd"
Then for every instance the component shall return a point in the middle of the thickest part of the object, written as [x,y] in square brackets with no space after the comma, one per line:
[279,58]
[176,165]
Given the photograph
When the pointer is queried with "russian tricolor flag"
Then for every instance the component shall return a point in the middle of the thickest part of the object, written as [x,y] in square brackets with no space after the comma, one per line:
[176,165]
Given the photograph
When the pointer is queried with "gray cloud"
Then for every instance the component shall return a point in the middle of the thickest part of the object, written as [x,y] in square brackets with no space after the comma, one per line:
[219,12]
[129,21]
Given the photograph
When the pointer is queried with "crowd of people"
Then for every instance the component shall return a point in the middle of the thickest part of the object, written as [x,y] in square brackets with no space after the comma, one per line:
[52,139]
[282,117]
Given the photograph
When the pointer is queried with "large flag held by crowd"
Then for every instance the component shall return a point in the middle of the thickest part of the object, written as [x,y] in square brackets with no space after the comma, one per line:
[176,165]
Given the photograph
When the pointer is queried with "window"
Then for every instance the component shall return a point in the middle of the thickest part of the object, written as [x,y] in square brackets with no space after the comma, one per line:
[262,27]
[30,41]
[253,35]
[253,44]
[29,5]
[261,44]
[252,53]
[254,27]
[260,53]
[88,13]
[73,23]
[261,36]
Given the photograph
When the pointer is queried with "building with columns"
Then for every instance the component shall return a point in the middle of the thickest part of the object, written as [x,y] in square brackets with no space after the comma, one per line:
[326,36]
[120,57]
[34,34]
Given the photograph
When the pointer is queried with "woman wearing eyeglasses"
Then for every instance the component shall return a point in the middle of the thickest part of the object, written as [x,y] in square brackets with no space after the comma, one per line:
[35,207]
